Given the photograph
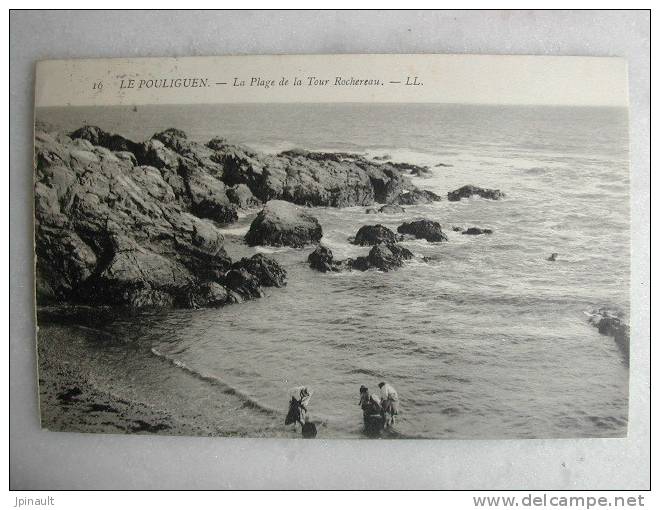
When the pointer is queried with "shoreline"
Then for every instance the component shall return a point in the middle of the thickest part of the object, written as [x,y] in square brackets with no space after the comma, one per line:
[73,399]
[69,401]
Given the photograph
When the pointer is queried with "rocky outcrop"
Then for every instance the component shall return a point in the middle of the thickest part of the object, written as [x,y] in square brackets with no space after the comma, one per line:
[323,260]
[298,176]
[136,223]
[476,231]
[423,229]
[469,190]
[96,136]
[409,167]
[111,229]
[207,294]
[369,235]
[384,257]
[416,196]
[314,178]
[241,196]
[610,323]
[281,223]
[266,270]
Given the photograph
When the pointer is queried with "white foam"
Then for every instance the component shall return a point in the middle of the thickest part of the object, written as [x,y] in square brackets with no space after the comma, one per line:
[235,231]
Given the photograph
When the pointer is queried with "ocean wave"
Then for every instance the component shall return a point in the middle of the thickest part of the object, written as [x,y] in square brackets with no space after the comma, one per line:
[235,231]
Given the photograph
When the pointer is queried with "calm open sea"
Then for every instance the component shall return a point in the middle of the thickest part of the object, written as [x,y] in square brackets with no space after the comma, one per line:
[489,340]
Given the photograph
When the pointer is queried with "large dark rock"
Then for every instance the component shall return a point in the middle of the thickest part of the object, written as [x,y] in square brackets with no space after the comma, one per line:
[424,229]
[281,223]
[243,283]
[470,190]
[610,323]
[315,178]
[189,169]
[322,259]
[267,270]
[369,235]
[388,256]
[122,223]
[384,257]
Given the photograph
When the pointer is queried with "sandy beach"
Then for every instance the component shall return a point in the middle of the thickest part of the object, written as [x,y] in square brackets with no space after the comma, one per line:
[70,401]
[79,391]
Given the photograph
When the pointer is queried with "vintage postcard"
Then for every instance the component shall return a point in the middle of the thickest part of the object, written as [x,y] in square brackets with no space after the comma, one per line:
[338,246]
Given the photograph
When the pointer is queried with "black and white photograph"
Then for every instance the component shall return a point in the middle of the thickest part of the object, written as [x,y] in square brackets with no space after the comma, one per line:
[437,253]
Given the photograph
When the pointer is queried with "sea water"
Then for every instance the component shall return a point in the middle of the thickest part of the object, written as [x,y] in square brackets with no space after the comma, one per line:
[486,339]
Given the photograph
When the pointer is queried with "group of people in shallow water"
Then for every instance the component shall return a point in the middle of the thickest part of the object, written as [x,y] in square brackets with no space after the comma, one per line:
[385,404]
[382,406]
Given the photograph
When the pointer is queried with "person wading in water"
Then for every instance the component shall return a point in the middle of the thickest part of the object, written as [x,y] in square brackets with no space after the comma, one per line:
[389,401]
[300,397]
[369,403]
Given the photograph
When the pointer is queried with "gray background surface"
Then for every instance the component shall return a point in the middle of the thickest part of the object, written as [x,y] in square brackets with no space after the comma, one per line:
[48,460]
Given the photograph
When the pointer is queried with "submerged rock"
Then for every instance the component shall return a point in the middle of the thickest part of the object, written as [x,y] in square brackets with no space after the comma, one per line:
[469,190]
[475,231]
[422,171]
[281,223]
[369,235]
[424,229]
